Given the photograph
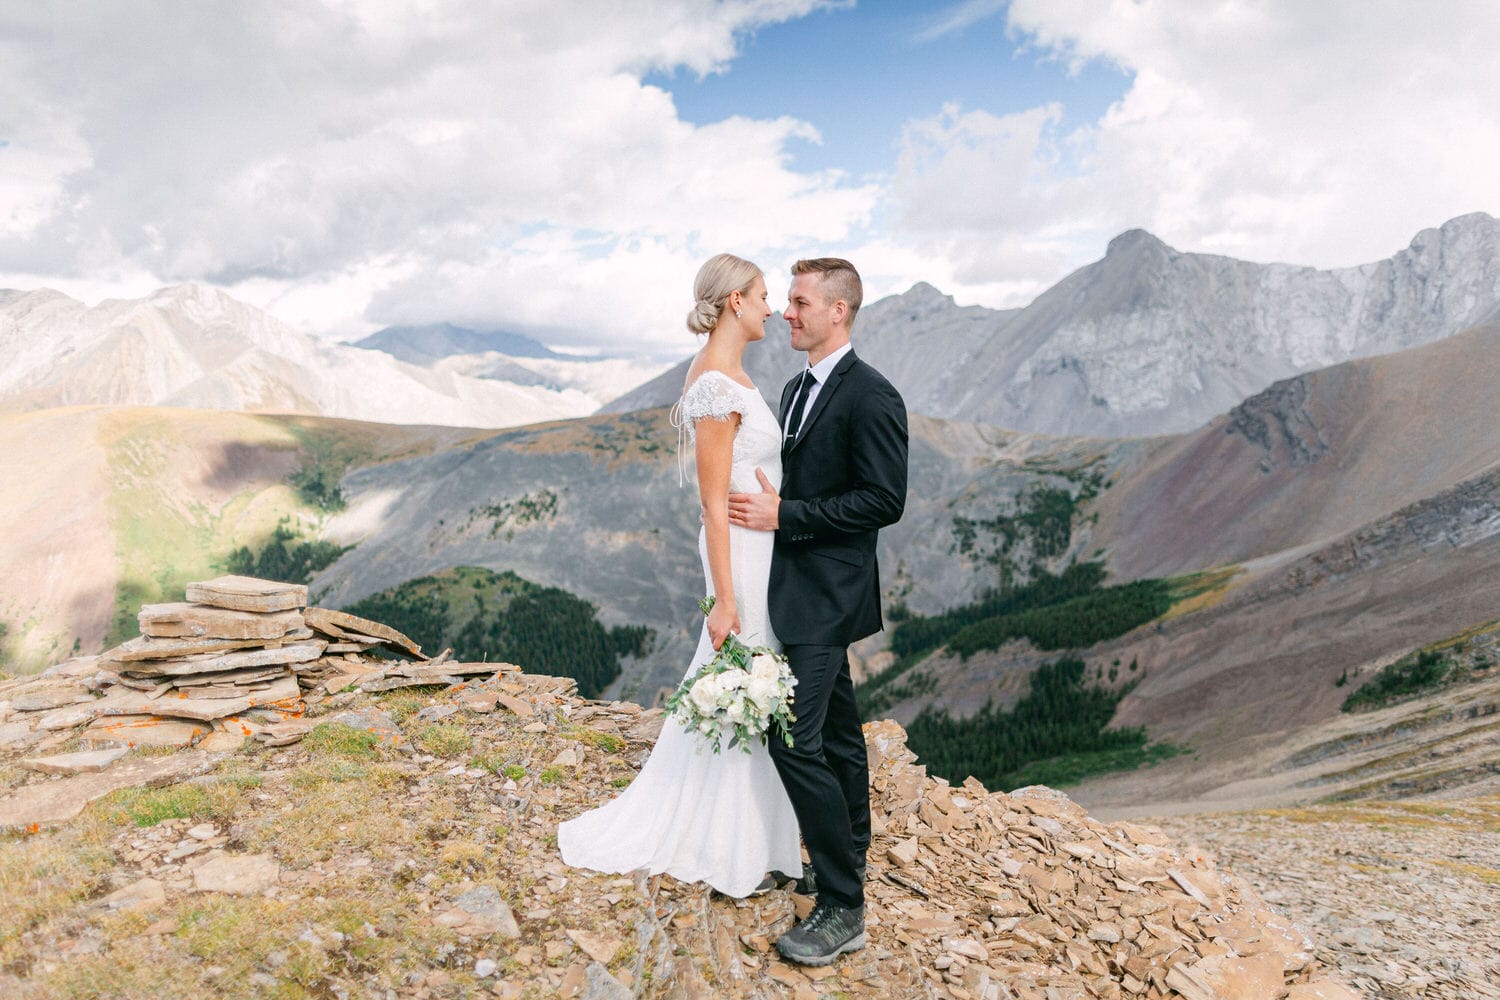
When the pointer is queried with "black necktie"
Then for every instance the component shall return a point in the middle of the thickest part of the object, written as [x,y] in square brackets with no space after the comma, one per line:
[794,423]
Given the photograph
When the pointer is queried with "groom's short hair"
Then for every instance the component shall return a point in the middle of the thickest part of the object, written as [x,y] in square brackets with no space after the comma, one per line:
[839,279]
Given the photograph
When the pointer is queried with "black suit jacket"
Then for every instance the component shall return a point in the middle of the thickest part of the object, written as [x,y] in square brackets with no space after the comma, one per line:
[842,481]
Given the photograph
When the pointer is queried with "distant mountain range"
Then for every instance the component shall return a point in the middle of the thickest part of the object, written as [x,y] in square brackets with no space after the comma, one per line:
[1150,340]
[422,345]
[195,346]
[1145,341]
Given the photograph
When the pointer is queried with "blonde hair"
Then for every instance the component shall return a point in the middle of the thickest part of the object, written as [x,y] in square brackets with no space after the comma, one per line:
[839,280]
[719,276]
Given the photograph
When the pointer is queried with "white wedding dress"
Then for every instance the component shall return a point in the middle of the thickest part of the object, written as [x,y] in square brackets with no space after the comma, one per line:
[723,818]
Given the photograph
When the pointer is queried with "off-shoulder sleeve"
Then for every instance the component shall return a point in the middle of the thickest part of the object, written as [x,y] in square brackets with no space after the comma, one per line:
[712,394]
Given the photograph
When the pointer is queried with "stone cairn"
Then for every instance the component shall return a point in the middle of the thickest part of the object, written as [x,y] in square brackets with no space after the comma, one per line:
[237,659]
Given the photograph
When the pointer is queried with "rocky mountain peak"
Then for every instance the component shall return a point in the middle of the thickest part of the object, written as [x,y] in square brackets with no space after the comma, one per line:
[923,294]
[1466,235]
[1136,242]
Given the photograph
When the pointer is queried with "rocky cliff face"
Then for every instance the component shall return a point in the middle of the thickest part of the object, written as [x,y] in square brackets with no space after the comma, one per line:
[1150,340]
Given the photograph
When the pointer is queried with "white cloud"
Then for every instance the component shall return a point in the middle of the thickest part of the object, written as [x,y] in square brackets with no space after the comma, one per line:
[960,16]
[352,163]
[1324,134]
[393,153]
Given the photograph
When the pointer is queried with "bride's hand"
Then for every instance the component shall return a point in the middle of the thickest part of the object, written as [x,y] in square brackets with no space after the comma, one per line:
[722,620]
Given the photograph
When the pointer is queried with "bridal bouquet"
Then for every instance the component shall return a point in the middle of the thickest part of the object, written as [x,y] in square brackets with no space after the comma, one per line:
[743,689]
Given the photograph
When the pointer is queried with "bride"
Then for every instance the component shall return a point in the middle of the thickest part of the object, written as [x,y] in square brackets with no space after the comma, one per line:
[720,818]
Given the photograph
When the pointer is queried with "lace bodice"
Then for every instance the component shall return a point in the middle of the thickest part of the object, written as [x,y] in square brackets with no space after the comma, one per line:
[714,395]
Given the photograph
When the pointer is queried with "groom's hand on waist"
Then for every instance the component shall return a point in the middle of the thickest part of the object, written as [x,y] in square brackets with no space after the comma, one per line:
[756,511]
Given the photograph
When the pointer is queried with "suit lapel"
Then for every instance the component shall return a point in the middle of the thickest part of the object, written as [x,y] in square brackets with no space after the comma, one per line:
[825,393]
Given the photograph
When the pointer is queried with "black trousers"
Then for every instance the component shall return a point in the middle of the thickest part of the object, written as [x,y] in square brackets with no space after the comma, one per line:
[826,771]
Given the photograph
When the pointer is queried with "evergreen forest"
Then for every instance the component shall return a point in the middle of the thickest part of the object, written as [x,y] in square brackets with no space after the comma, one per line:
[483,615]
[1056,734]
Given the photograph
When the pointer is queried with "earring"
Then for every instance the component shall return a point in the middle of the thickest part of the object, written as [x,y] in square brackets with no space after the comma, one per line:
[738,314]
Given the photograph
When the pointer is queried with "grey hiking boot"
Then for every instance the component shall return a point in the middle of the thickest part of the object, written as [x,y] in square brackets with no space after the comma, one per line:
[828,932]
[807,885]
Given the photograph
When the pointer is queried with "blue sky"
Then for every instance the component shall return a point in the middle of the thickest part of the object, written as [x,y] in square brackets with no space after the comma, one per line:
[883,64]
[561,167]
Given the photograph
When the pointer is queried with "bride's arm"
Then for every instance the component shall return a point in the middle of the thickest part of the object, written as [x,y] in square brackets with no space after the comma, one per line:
[715,454]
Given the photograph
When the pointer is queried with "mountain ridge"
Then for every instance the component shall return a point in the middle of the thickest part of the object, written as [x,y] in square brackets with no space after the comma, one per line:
[1150,340]
[424,343]
[196,346]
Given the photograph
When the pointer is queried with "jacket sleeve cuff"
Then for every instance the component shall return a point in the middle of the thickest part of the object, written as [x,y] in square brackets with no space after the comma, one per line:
[792,523]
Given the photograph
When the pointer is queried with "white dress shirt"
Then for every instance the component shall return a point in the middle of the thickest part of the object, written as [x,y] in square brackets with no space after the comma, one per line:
[820,373]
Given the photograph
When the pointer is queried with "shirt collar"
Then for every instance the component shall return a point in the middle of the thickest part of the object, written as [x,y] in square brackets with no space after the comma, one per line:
[824,368]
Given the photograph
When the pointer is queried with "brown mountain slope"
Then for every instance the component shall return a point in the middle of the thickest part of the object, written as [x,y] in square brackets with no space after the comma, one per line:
[102,509]
[1309,459]
[1360,506]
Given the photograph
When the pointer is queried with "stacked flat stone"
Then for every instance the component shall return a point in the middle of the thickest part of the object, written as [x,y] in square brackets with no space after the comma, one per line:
[225,657]
[343,665]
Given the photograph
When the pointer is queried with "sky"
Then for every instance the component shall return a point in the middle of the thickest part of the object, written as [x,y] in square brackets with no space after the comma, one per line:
[561,167]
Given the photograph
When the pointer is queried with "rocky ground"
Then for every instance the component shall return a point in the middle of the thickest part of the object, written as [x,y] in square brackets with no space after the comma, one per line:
[1400,896]
[406,847]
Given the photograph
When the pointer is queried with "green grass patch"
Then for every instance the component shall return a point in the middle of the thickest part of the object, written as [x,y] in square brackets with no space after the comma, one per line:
[1204,589]
[403,703]
[334,739]
[42,877]
[150,806]
[445,740]
[313,776]
[607,742]
[493,762]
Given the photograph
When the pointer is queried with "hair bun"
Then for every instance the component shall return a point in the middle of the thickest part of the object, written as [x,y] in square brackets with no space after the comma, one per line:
[703,317]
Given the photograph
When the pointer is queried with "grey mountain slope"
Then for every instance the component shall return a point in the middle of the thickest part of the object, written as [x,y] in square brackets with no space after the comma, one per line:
[625,532]
[920,340]
[426,343]
[1149,340]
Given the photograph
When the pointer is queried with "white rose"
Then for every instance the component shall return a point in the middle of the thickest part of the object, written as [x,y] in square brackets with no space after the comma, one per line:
[705,693]
[765,665]
[765,692]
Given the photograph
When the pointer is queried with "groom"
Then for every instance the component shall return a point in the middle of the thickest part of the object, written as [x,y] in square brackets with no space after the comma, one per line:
[843,479]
